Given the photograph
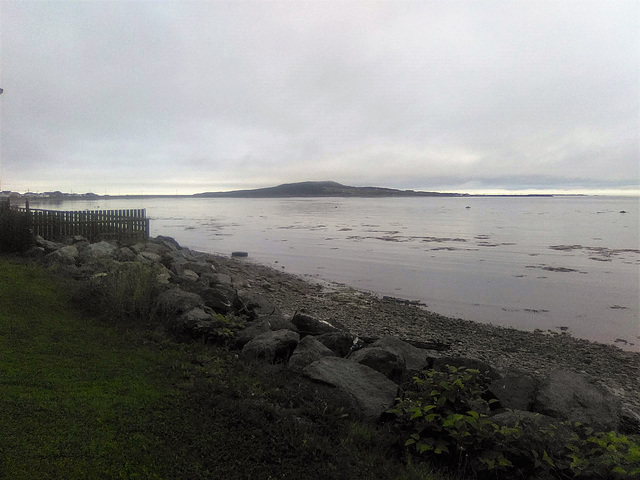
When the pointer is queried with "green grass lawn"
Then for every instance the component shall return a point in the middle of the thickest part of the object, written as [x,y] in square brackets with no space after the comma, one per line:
[75,392]
[82,398]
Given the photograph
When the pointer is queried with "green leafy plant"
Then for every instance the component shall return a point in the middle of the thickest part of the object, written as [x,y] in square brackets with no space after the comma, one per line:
[225,328]
[603,455]
[446,415]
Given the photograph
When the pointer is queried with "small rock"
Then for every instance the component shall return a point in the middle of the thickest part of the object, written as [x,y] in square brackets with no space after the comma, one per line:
[163,275]
[189,276]
[150,257]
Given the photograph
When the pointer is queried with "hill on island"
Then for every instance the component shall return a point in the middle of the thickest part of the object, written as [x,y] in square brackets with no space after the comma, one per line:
[322,189]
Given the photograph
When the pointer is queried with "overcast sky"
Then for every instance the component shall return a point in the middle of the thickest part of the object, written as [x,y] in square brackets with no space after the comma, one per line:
[185,97]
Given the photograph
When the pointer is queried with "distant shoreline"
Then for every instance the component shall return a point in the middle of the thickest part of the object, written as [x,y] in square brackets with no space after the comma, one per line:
[80,197]
[326,189]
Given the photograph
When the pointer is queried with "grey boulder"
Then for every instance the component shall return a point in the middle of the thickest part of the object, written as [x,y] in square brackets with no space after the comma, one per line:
[352,386]
[384,361]
[196,322]
[310,325]
[216,278]
[219,297]
[253,305]
[250,332]
[575,397]
[174,302]
[515,390]
[308,351]
[415,358]
[99,250]
[149,257]
[262,325]
[124,254]
[271,347]
[48,245]
[200,268]
[339,342]
[65,255]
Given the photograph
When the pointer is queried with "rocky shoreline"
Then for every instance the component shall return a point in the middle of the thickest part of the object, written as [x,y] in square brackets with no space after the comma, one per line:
[370,317]
[315,328]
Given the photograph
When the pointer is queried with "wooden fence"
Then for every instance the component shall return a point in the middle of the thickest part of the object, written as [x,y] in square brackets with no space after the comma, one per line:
[94,225]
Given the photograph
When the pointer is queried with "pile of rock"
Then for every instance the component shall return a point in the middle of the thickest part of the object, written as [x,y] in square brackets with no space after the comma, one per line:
[330,363]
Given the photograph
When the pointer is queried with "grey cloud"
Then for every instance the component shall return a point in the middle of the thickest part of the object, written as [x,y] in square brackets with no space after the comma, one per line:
[235,93]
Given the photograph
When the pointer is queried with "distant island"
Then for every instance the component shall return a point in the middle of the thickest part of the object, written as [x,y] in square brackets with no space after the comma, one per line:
[286,190]
[323,189]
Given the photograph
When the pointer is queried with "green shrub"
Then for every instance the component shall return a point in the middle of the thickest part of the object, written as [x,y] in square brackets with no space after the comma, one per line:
[224,328]
[602,455]
[445,414]
[121,292]
[15,231]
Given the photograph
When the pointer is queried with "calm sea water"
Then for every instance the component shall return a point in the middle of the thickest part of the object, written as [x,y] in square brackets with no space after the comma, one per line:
[528,262]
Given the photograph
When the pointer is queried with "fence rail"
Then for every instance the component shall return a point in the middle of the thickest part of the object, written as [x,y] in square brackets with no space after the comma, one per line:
[92,224]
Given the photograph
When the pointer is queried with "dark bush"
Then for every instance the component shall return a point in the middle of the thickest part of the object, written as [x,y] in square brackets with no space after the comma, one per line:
[15,231]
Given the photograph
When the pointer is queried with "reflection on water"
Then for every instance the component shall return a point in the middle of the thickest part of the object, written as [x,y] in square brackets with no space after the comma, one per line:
[526,262]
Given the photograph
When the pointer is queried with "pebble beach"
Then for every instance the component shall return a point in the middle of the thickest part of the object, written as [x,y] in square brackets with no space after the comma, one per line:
[371,316]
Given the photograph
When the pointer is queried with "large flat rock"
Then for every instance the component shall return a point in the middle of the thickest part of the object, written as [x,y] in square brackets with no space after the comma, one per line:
[356,387]
[271,347]
[308,351]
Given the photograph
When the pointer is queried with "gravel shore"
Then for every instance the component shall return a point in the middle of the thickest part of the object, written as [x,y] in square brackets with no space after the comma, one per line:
[369,316]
